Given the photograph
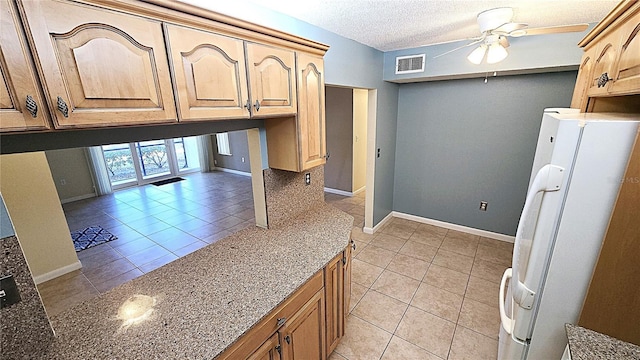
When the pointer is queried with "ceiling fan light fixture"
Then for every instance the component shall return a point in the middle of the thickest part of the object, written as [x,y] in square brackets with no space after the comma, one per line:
[477,54]
[496,53]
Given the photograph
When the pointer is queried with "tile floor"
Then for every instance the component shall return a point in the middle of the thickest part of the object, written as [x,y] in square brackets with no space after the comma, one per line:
[418,292]
[422,292]
[154,225]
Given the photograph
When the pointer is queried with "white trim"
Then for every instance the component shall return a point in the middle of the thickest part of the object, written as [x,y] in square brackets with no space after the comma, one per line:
[446,225]
[338,192]
[57,272]
[237,172]
[78,198]
[359,190]
[372,103]
[257,178]
[368,230]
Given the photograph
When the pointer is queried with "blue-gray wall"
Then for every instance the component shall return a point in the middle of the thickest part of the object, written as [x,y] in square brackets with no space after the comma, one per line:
[6,228]
[463,141]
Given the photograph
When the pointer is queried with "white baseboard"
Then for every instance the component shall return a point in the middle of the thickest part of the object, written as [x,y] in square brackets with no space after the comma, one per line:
[57,272]
[338,192]
[78,198]
[368,230]
[446,225]
[359,190]
[231,171]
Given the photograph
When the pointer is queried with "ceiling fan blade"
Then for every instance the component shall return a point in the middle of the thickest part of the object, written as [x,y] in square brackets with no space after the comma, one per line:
[503,41]
[550,30]
[461,47]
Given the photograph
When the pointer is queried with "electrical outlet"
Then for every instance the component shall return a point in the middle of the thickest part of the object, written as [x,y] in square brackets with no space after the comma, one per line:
[483,205]
[243,159]
[307,178]
[378,153]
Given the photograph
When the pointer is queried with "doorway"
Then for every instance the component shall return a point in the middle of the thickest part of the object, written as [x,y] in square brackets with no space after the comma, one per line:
[143,162]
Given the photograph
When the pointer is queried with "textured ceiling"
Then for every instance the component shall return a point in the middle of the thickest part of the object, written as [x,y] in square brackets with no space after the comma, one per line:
[400,24]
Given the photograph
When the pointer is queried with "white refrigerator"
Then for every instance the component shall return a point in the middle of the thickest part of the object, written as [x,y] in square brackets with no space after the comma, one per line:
[577,171]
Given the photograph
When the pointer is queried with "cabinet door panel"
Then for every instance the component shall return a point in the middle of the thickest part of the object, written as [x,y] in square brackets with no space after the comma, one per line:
[302,337]
[209,73]
[334,302]
[108,68]
[604,62]
[311,111]
[579,100]
[627,78]
[18,78]
[272,79]
[268,350]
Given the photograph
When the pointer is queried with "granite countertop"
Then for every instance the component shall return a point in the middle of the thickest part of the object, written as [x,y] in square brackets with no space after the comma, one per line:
[202,303]
[585,344]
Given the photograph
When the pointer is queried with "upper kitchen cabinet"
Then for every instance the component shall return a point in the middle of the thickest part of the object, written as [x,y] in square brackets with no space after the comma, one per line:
[605,56]
[627,73]
[209,74]
[298,143]
[100,67]
[272,80]
[21,105]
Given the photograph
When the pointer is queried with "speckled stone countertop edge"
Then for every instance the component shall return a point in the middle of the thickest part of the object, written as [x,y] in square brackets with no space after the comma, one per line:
[586,344]
[208,299]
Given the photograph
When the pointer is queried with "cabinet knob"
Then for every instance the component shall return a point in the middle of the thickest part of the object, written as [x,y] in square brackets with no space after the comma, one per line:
[257,105]
[287,339]
[32,106]
[248,105]
[353,245]
[603,79]
[62,107]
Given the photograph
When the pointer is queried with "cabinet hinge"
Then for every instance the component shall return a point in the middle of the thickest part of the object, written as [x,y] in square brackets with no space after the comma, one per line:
[279,349]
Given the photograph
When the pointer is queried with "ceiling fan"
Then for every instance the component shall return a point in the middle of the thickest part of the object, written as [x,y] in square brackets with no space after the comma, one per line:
[495,26]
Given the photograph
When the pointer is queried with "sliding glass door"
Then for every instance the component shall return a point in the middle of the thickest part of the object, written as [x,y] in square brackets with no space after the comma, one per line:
[143,162]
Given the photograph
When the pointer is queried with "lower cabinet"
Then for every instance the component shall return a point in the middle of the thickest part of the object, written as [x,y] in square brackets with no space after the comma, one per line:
[306,326]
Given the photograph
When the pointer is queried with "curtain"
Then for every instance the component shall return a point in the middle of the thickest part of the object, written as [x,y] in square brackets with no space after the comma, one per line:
[204,152]
[99,170]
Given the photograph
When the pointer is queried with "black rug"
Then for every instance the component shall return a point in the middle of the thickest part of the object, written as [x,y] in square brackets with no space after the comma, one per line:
[91,236]
[167,181]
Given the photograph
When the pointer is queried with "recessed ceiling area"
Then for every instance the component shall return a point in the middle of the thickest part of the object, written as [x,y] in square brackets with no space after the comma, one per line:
[389,25]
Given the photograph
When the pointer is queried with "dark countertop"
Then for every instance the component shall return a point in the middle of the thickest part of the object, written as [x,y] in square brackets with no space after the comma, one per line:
[202,303]
[585,344]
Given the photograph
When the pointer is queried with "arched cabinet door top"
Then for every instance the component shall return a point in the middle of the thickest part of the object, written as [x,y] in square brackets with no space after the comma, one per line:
[100,67]
[209,74]
[627,76]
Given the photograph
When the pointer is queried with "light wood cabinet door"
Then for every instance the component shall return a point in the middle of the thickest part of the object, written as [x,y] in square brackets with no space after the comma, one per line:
[270,350]
[100,67]
[303,336]
[272,80]
[605,57]
[334,301]
[311,111]
[627,76]
[21,105]
[580,98]
[209,74]
[347,278]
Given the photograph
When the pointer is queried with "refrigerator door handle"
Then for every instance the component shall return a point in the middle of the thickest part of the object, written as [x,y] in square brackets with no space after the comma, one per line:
[505,320]
[549,178]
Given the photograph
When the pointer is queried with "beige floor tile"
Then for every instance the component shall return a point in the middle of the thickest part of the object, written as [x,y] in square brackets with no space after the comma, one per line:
[484,291]
[503,245]
[447,279]
[438,302]
[376,256]
[460,246]
[388,242]
[453,261]
[357,234]
[118,280]
[408,266]
[419,251]
[357,292]
[462,235]
[397,286]
[335,356]
[65,291]
[494,255]
[398,229]
[380,310]
[480,317]
[409,224]
[364,273]
[400,349]
[470,345]
[488,270]
[429,235]
[362,341]
[428,331]
[359,247]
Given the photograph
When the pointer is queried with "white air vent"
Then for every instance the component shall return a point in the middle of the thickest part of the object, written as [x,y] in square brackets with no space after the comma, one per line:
[410,64]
